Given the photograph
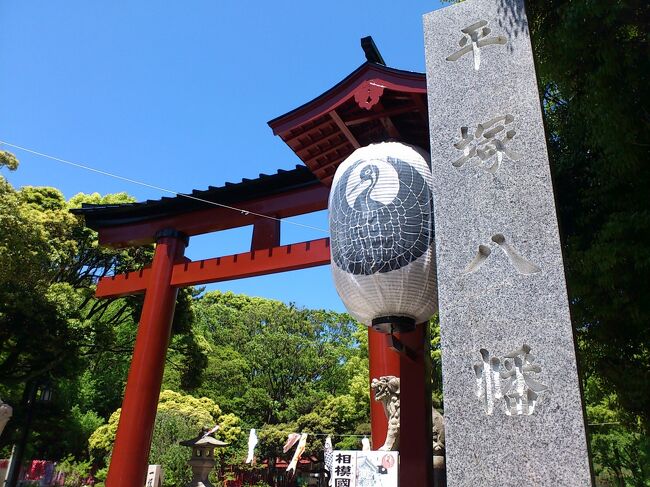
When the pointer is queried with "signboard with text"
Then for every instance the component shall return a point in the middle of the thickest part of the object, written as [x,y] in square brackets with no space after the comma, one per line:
[154,476]
[352,468]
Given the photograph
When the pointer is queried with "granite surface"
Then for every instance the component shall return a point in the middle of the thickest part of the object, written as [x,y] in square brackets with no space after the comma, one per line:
[513,411]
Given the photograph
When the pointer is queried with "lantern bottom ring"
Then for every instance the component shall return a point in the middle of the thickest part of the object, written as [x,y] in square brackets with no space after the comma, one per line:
[393,324]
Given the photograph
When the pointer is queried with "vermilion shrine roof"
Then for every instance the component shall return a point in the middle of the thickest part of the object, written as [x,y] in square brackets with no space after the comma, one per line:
[374,103]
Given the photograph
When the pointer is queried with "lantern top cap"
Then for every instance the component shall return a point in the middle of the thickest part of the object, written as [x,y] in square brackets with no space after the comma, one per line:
[203,441]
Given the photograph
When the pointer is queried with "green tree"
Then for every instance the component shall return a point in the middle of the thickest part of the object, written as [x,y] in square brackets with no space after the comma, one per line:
[283,370]
[8,160]
[52,328]
[49,264]
[272,438]
[179,417]
[436,363]
[272,362]
[620,449]
[593,63]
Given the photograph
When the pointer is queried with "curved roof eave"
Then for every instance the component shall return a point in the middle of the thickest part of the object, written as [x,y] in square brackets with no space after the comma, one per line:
[391,78]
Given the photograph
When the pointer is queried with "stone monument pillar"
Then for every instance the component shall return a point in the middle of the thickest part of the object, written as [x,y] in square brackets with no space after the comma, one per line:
[513,411]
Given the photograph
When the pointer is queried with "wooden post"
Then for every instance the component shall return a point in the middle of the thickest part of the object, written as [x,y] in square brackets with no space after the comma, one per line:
[130,456]
[266,234]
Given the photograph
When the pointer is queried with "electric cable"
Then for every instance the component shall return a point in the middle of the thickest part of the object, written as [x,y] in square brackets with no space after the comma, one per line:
[158,188]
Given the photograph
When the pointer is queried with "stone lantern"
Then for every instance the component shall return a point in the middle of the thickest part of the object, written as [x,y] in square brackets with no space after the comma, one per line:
[202,460]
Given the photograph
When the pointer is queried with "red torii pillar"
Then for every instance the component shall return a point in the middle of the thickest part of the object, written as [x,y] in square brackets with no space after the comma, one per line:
[415,447]
[412,365]
[130,456]
[381,361]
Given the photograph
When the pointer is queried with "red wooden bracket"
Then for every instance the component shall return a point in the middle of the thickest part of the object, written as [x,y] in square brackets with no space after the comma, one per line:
[368,93]
[255,263]
[396,345]
[266,234]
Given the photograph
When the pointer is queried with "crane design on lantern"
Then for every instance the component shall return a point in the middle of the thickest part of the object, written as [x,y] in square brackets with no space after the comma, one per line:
[377,217]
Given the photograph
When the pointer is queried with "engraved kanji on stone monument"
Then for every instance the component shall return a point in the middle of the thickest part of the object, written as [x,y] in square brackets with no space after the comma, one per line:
[475,37]
[521,390]
[488,381]
[507,382]
[520,263]
[487,144]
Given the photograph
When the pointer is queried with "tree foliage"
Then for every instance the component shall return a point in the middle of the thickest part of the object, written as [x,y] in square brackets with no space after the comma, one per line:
[283,369]
[49,263]
[270,362]
[52,329]
[8,160]
[620,450]
[593,62]
[179,417]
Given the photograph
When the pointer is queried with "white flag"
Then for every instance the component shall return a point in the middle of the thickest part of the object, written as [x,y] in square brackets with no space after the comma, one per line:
[5,414]
[299,451]
[252,442]
[365,444]
[329,456]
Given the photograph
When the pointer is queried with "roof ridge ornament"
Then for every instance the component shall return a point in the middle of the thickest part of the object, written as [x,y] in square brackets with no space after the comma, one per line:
[371,51]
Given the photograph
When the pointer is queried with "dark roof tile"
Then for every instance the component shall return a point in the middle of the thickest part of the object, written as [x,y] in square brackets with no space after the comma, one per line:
[102,216]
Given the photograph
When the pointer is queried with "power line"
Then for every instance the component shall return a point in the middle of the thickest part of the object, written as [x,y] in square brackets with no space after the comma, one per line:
[165,190]
[216,428]
[323,434]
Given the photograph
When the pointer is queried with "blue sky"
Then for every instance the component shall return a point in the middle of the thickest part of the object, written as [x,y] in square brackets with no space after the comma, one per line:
[177,94]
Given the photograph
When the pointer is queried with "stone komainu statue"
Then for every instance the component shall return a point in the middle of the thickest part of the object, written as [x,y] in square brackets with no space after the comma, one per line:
[438,433]
[386,390]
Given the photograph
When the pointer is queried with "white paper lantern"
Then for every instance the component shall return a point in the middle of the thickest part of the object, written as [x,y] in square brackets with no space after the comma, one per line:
[381,226]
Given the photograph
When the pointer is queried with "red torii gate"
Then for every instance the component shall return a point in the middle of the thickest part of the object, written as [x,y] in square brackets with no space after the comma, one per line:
[373,104]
